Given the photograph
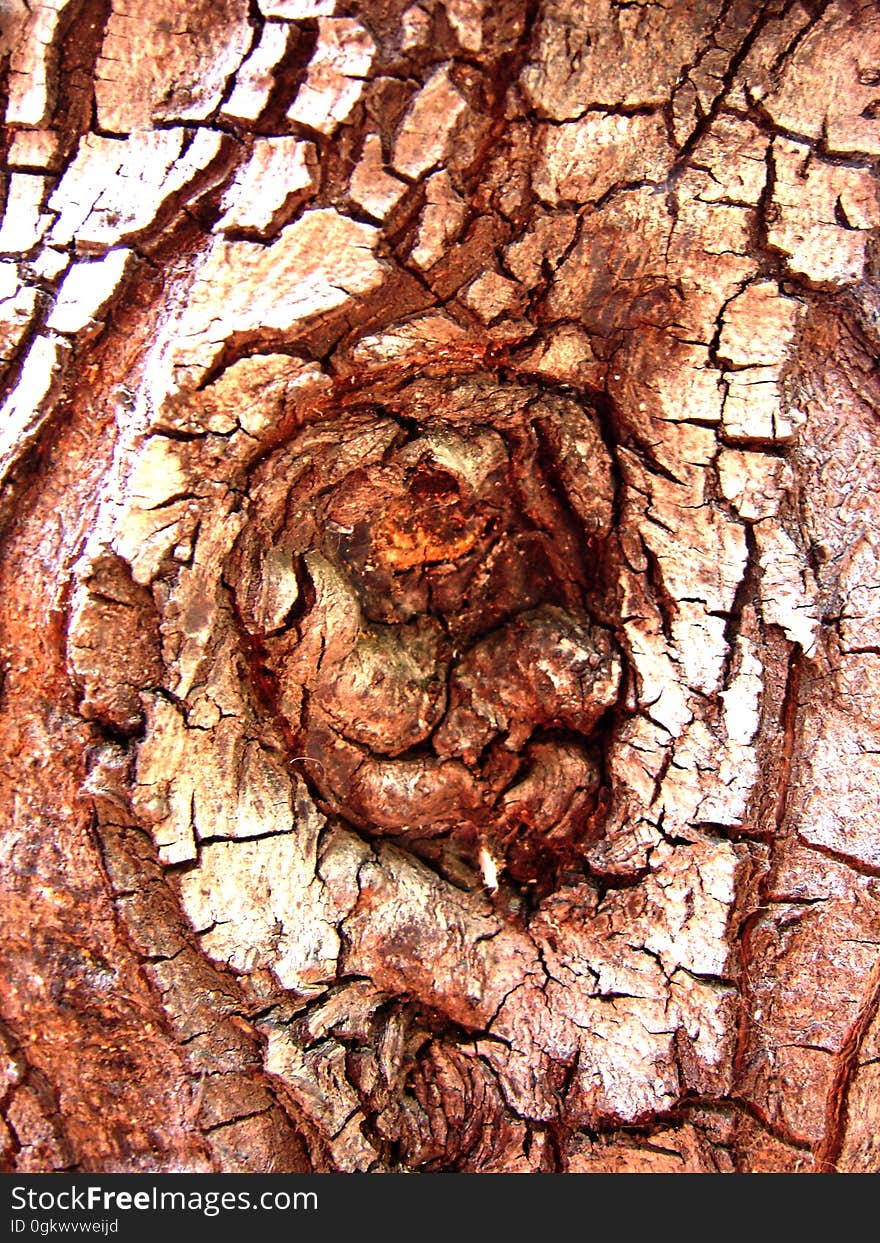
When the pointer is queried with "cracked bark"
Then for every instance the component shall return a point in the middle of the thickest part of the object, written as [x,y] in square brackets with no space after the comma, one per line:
[440,586]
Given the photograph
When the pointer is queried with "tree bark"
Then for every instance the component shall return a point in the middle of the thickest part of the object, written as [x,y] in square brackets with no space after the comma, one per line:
[440,588]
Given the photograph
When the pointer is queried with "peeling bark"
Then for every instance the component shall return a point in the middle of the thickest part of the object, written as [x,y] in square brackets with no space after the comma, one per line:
[440,586]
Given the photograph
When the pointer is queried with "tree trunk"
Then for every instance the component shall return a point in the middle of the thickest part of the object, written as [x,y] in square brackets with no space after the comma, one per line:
[440,596]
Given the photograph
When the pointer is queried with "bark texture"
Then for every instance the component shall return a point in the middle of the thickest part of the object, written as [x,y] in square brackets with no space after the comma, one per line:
[440,585]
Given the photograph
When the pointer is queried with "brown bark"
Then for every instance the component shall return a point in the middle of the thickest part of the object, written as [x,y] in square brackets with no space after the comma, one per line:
[439,586]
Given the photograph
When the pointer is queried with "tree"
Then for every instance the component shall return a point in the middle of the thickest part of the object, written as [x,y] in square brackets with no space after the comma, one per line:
[440,586]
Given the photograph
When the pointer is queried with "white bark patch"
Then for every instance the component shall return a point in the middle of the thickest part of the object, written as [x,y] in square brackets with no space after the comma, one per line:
[615,1004]
[411,932]
[488,869]
[423,336]
[426,131]
[115,186]
[583,160]
[622,1046]
[17,304]
[241,790]
[372,187]
[29,84]
[710,780]
[314,266]
[859,587]
[86,290]
[753,409]
[492,295]
[49,263]
[279,171]
[466,19]
[164,785]
[687,902]
[635,761]
[735,150]
[296,10]
[415,27]
[625,1069]
[336,74]
[706,1015]
[259,904]
[9,281]
[754,483]
[25,408]
[256,77]
[158,474]
[316,1077]
[662,695]
[841,775]
[759,326]
[808,196]
[440,222]
[707,564]
[587,55]
[566,356]
[163,60]
[743,696]
[159,509]
[699,645]
[33,148]
[826,69]
[691,391]
[789,594]
[24,221]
